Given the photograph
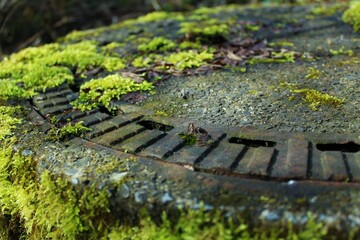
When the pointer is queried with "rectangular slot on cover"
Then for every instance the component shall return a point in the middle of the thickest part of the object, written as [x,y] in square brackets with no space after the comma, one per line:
[342,147]
[252,143]
[151,125]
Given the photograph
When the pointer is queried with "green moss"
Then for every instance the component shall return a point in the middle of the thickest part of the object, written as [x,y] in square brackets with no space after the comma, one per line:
[313,73]
[156,16]
[342,51]
[313,97]
[206,29]
[189,45]
[161,113]
[80,35]
[216,10]
[112,46]
[34,69]
[67,131]
[235,69]
[8,121]
[252,27]
[276,57]
[328,10]
[188,59]
[46,206]
[101,91]
[141,62]
[189,138]
[199,224]
[352,15]
[281,44]
[157,44]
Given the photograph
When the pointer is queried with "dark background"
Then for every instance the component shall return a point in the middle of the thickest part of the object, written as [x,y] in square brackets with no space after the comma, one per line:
[26,23]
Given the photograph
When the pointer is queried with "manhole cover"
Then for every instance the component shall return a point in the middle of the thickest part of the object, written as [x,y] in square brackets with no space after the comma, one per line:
[237,151]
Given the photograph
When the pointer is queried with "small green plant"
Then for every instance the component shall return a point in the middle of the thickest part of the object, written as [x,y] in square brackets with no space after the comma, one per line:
[207,28]
[46,206]
[313,97]
[141,62]
[189,45]
[281,44]
[67,131]
[235,69]
[188,59]
[189,138]
[8,120]
[342,51]
[328,10]
[352,15]
[101,91]
[276,57]
[25,73]
[313,73]
[157,44]
[252,27]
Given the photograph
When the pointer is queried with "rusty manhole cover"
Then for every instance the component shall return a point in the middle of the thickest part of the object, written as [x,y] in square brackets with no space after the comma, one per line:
[237,151]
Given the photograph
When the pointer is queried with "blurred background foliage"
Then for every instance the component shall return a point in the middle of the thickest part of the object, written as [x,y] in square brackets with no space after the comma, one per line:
[26,23]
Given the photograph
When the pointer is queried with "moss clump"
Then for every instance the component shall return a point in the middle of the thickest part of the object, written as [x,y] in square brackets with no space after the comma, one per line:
[313,73]
[342,51]
[209,28]
[275,57]
[313,97]
[199,224]
[251,27]
[34,69]
[352,15]
[281,44]
[189,138]
[101,91]
[189,45]
[157,44]
[8,122]
[328,10]
[155,16]
[45,206]
[142,61]
[188,59]
[67,131]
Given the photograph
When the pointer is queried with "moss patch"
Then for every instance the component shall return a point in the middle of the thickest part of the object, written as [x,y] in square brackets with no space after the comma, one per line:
[205,29]
[157,44]
[275,57]
[47,206]
[100,92]
[328,10]
[313,97]
[313,73]
[188,59]
[67,131]
[199,224]
[34,69]
[352,15]
[8,121]
[189,138]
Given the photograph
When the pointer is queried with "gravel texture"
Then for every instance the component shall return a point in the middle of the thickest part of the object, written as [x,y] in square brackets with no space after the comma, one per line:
[254,99]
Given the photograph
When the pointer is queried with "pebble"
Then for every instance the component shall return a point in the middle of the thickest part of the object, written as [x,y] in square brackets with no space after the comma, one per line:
[140,197]
[166,198]
[124,191]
